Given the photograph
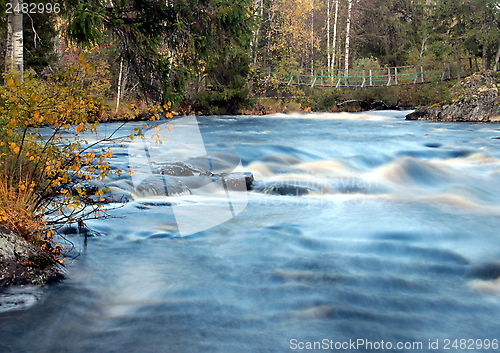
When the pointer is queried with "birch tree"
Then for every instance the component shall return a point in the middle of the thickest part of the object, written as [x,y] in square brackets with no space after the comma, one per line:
[335,24]
[328,52]
[14,54]
[312,37]
[348,37]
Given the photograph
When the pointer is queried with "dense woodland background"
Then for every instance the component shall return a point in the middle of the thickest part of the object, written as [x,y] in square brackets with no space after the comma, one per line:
[205,55]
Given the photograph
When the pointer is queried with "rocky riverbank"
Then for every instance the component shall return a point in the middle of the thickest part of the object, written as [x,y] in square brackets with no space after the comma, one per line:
[476,99]
[22,263]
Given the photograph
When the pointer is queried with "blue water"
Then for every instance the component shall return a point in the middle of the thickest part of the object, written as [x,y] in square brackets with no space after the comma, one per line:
[397,242]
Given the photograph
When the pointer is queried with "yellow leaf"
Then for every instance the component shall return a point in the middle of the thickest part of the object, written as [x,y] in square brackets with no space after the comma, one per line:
[80,128]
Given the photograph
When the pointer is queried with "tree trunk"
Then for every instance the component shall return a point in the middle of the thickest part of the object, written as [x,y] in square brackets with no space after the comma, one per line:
[123,78]
[119,90]
[329,54]
[14,53]
[259,13]
[348,38]
[485,58]
[335,24]
[497,59]
[312,37]
[270,20]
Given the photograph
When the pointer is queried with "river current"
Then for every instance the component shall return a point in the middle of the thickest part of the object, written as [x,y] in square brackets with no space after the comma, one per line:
[395,247]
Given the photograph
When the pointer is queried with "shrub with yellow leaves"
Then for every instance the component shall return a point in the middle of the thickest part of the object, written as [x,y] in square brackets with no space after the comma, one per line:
[38,173]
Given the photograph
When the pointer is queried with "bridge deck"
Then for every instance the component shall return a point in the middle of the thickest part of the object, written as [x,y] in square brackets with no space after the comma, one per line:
[380,77]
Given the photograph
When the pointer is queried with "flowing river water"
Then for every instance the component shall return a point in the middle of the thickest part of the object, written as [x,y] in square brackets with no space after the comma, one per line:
[391,241]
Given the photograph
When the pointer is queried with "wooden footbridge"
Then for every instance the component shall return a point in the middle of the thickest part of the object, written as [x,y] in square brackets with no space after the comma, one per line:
[379,77]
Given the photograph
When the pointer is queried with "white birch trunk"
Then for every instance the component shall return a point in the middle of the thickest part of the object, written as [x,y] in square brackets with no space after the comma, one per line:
[119,90]
[14,55]
[258,12]
[329,54]
[10,43]
[335,24]
[312,37]
[348,38]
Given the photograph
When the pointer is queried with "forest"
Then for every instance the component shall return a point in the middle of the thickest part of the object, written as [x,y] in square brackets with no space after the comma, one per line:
[207,56]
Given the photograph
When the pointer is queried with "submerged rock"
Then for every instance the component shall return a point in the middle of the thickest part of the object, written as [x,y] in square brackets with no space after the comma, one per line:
[162,185]
[22,263]
[289,189]
[236,181]
[487,271]
[477,100]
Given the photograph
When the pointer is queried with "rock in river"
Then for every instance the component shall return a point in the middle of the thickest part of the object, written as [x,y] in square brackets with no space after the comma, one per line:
[476,100]
[22,263]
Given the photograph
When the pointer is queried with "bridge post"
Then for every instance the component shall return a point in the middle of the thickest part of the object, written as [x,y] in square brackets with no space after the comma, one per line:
[371,77]
[396,75]
[422,73]
[389,80]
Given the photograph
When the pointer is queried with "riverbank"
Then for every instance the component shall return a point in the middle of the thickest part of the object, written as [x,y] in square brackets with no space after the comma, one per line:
[476,99]
[22,263]
[304,99]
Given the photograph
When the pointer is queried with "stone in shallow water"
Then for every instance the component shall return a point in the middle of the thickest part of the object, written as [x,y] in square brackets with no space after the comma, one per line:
[432,145]
[177,169]
[286,189]
[235,181]
[22,263]
[162,185]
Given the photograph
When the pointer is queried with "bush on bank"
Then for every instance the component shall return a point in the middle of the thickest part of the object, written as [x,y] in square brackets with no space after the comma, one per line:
[38,173]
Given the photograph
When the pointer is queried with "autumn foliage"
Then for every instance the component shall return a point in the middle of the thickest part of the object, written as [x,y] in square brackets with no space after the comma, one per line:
[42,166]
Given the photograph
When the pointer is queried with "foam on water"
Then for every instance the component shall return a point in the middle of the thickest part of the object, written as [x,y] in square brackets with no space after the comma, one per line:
[386,115]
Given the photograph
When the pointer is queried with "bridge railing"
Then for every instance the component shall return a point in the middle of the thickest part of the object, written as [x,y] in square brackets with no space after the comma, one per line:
[377,77]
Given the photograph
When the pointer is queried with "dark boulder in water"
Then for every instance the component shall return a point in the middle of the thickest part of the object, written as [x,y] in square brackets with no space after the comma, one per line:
[486,271]
[236,181]
[177,169]
[162,185]
[22,263]
[289,189]
[432,145]
[167,185]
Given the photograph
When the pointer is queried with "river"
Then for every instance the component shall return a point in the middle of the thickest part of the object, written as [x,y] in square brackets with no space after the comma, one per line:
[395,246]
